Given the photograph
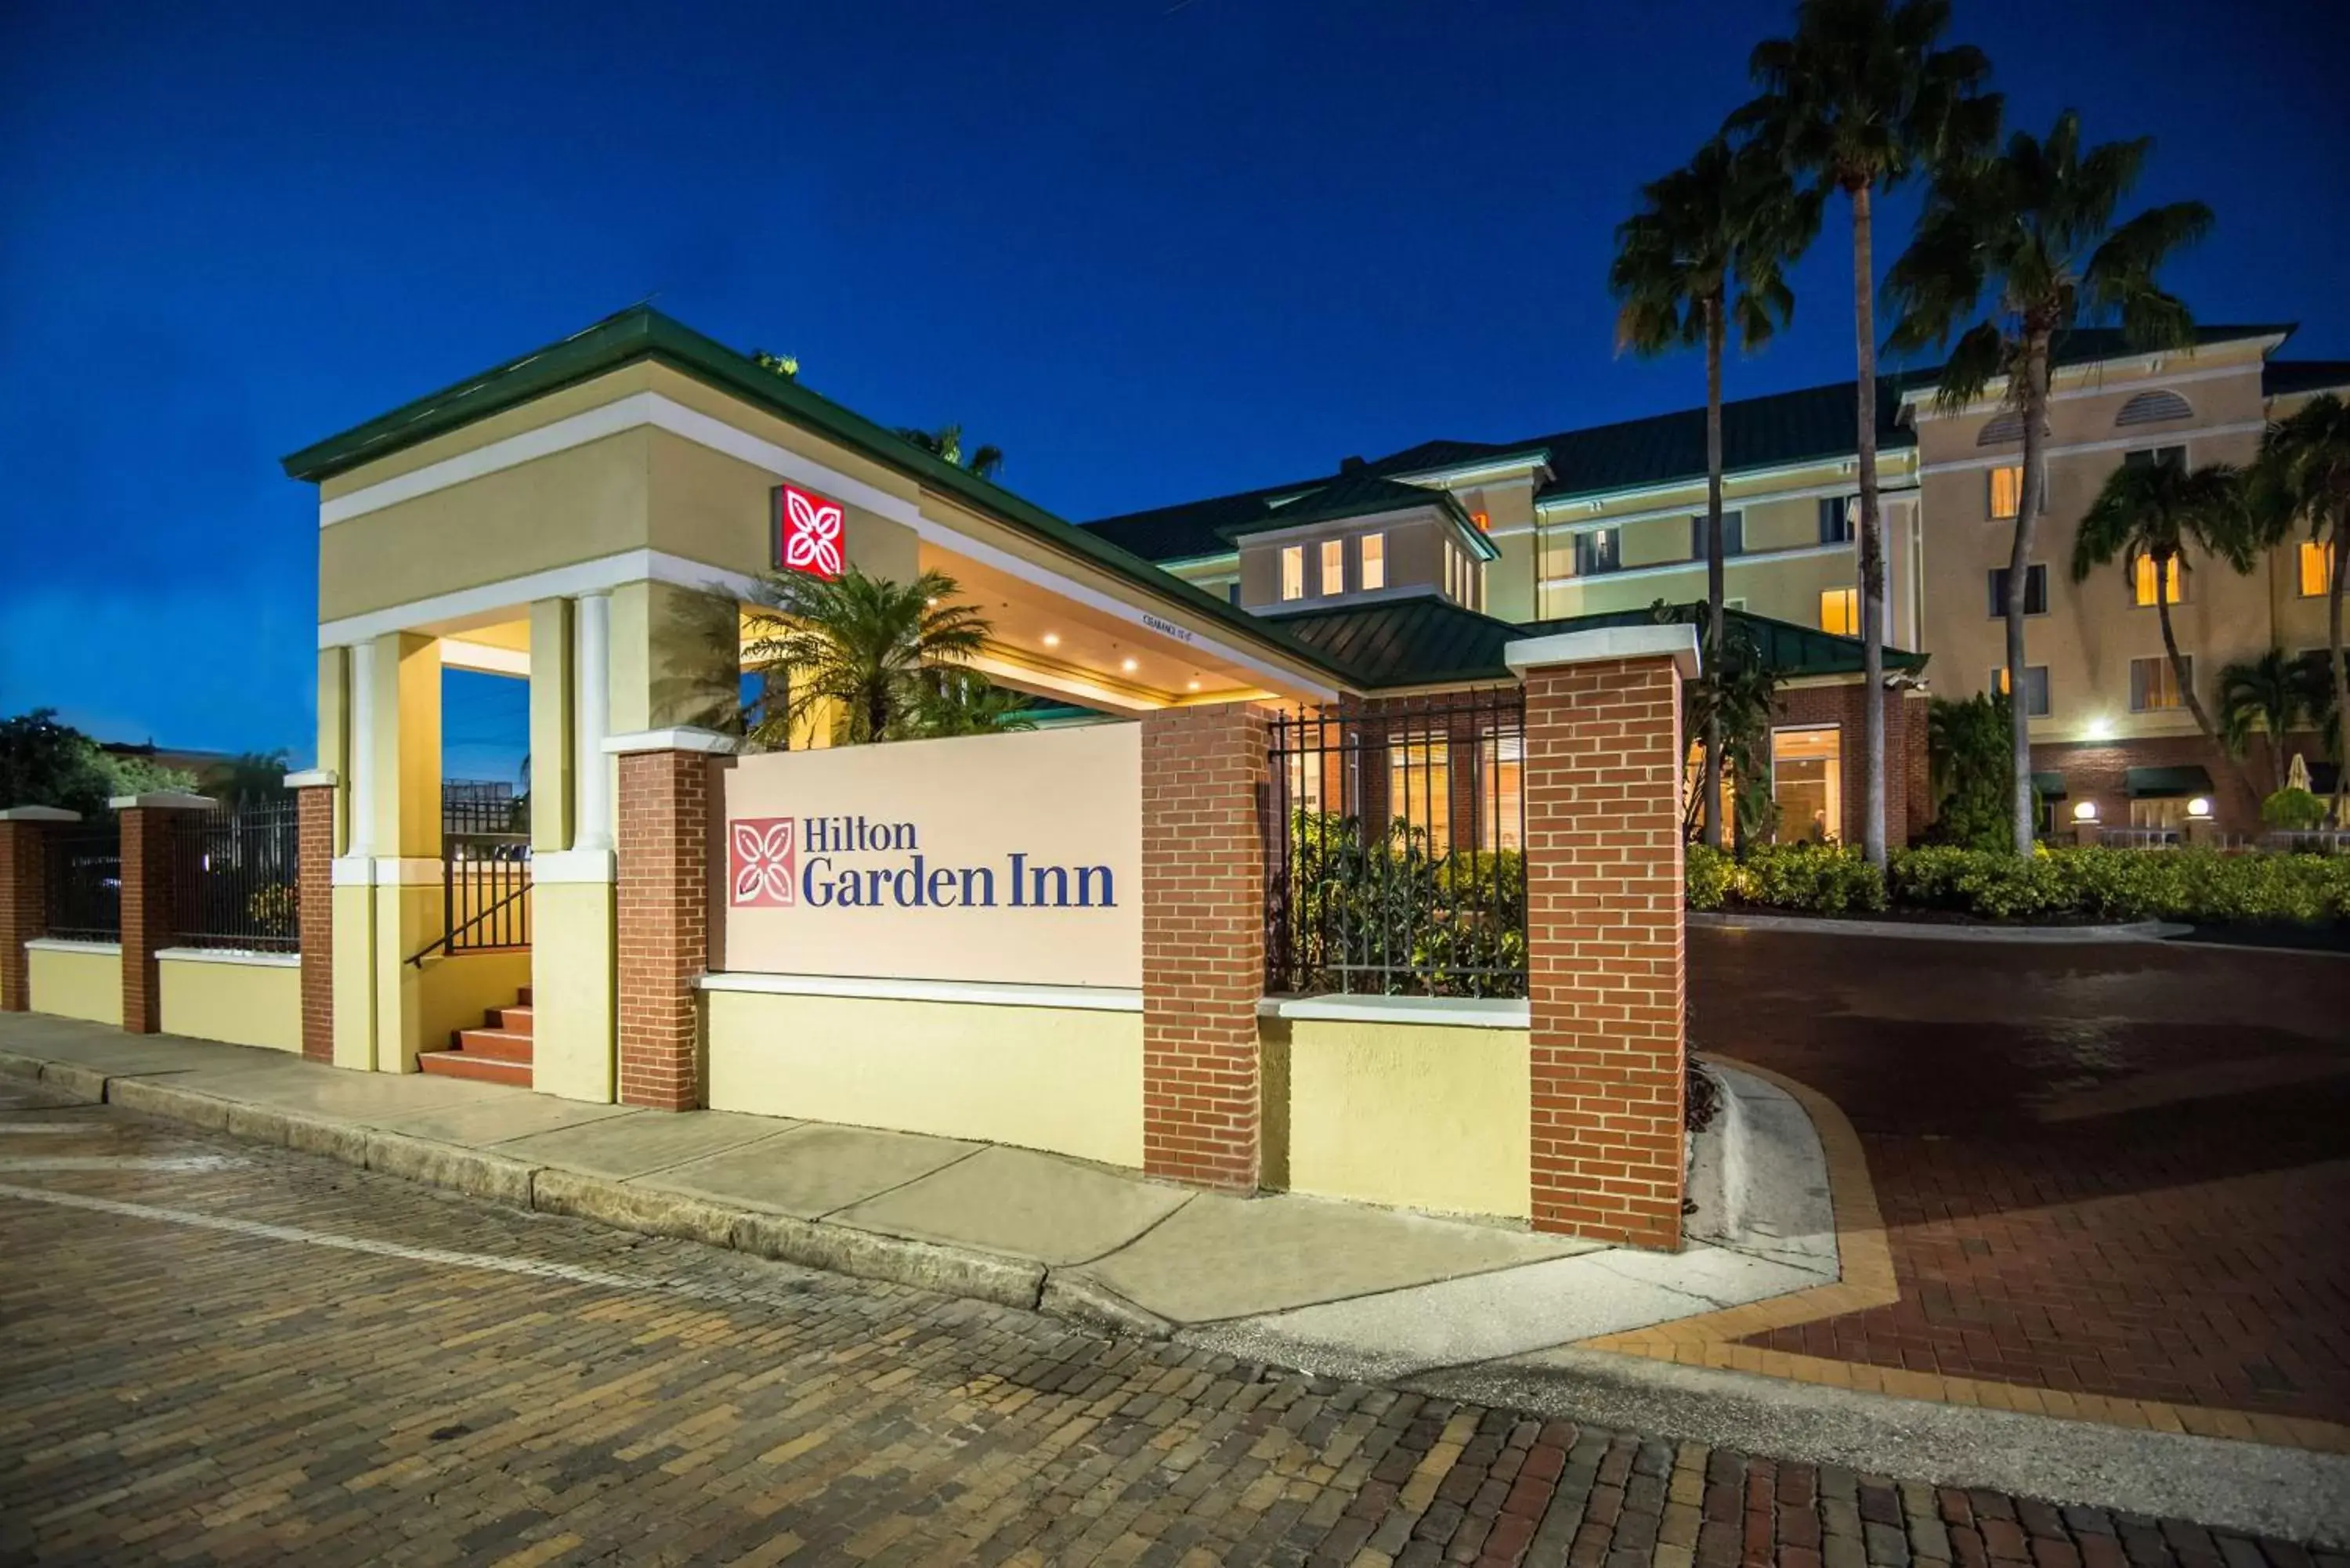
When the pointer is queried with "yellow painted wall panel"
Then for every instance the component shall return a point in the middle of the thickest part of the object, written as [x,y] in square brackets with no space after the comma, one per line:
[458,989]
[1057,1079]
[71,984]
[572,1002]
[241,1003]
[1411,1115]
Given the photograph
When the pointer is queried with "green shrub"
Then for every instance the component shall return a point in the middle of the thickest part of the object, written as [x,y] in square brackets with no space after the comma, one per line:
[2295,810]
[2088,883]
[1712,876]
[1817,879]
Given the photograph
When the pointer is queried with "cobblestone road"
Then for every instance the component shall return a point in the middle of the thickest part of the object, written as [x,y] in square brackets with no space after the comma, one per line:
[220,1354]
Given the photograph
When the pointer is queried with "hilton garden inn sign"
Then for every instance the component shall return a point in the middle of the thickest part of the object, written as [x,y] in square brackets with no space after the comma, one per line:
[1005,858]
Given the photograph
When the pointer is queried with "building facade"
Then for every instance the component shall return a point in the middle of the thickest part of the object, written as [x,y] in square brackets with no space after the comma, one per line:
[1608,521]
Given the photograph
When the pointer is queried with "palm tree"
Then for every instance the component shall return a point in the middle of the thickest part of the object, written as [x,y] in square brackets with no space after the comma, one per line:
[787,366]
[2302,480]
[1858,97]
[955,702]
[2273,692]
[2152,512]
[2033,228]
[1705,254]
[855,651]
[946,444]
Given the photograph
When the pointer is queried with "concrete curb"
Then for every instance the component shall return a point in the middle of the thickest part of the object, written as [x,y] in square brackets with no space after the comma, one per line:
[15,1066]
[152,1098]
[85,1083]
[613,1203]
[468,1170]
[1920,931]
[836,1249]
[1083,1299]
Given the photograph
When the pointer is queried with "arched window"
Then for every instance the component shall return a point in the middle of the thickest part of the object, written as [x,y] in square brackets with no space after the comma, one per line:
[2000,432]
[2153,409]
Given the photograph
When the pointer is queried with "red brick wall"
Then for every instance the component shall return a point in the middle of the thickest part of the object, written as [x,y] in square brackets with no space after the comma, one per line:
[1905,755]
[145,915]
[23,906]
[315,847]
[1604,929]
[1203,772]
[1917,773]
[663,911]
[2099,771]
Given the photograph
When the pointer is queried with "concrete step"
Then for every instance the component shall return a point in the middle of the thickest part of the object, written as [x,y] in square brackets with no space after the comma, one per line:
[513,1020]
[482,1069]
[494,1044]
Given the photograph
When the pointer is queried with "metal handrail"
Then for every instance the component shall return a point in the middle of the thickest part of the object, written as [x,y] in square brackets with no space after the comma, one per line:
[445,938]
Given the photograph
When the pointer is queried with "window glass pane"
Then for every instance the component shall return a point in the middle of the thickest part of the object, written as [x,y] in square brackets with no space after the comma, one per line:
[1419,790]
[1293,571]
[1733,535]
[2142,579]
[1839,519]
[2316,568]
[1501,796]
[2006,493]
[2035,591]
[2154,684]
[1840,611]
[1807,783]
[1375,561]
[2035,689]
[1334,566]
[1594,551]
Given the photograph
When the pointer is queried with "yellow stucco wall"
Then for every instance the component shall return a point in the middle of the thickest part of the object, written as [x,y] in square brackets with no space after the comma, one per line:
[242,1003]
[76,983]
[1058,1079]
[572,1050]
[1415,1115]
[458,989]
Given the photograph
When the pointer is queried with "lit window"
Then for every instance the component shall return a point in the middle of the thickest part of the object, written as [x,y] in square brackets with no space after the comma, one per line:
[1334,566]
[1807,783]
[2154,684]
[1419,790]
[1375,561]
[2035,591]
[2316,568]
[1840,611]
[1293,571]
[2174,588]
[2035,689]
[1500,792]
[1305,767]
[2006,493]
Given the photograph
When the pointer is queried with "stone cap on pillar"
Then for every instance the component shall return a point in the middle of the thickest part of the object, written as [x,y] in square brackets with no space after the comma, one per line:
[39,814]
[313,778]
[684,738]
[164,800]
[1674,640]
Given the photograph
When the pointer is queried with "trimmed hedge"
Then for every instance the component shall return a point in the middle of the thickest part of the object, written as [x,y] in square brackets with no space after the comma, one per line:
[2197,885]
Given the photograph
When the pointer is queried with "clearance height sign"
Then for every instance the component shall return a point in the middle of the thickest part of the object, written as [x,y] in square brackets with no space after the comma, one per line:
[1012,858]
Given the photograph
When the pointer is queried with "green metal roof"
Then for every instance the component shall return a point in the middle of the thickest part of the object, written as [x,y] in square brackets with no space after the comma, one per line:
[1431,641]
[2049,785]
[641,334]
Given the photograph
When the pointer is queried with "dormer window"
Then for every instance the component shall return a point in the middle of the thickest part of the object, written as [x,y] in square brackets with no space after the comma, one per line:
[1293,572]
[1373,571]
[1334,567]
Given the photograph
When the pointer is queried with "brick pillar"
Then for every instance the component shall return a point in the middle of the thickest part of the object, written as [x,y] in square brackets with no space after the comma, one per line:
[1203,772]
[662,899]
[23,895]
[146,900]
[315,848]
[1604,929]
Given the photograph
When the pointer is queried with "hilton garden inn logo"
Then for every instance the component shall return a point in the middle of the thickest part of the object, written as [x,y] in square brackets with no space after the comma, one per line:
[830,862]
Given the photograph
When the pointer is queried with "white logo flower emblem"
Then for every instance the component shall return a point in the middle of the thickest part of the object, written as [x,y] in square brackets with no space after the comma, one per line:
[763,860]
[811,533]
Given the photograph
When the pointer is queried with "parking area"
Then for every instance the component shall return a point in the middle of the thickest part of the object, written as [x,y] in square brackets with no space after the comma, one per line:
[2116,1169]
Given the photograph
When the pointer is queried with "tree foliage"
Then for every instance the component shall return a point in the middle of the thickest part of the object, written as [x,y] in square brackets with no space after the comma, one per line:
[2301,483]
[946,444]
[45,762]
[870,659]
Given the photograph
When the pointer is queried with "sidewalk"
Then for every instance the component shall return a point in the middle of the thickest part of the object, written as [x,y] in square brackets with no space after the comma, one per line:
[1330,1286]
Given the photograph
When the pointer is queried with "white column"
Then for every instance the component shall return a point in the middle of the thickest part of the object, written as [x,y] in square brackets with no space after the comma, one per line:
[360,841]
[591,718]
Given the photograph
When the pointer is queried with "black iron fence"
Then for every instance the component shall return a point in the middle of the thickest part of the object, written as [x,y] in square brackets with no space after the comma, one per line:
[485,890]
[483,806]
[82,865]
[1393,860]
[235,876]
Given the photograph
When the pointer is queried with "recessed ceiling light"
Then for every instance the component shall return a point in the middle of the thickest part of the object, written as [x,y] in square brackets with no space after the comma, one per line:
[1052,639]
[929,604]
[1194,686]
[1130,666]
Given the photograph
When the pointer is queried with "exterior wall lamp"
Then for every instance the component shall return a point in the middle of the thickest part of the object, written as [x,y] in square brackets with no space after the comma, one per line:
[2199,808]
[2084,811]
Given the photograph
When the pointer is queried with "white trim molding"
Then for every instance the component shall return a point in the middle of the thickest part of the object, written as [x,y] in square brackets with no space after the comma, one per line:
[313,778]
[563,867]
[684,738]
[39,814]
[1673,642]
[577,579]
[981,994]
[245,956]
[1994,392]
[2147,440]
[1433,1012]
[164,800]
[68,945]
[484,658]
[1662,568]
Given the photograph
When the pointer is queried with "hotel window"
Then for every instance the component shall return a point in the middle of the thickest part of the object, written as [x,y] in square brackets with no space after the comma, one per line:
[2035,689]
[1306,770]
[1334,566]
[1840,611]
[1500,792]
[1232,590]
[1293,572]
[1374,570]
[2154,684]
[1596,553]
[2169,456]
[2035,591]
[2174,588]
[1807,783]
[1733,535]
[2316,568]
[2006,493]
[1419,789]
[1839,519]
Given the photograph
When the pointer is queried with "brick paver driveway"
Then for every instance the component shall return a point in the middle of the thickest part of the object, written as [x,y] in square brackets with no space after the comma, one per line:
[242,1355]
[2119,1169]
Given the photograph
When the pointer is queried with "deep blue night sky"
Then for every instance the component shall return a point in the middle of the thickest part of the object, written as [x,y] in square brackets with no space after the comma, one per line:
[1156,249]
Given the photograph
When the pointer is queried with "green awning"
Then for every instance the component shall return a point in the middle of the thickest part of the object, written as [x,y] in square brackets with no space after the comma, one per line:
[2165,784]
[2049,786]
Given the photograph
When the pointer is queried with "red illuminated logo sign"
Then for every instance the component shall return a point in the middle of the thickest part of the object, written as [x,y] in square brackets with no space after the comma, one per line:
[762,862]
[808,532]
